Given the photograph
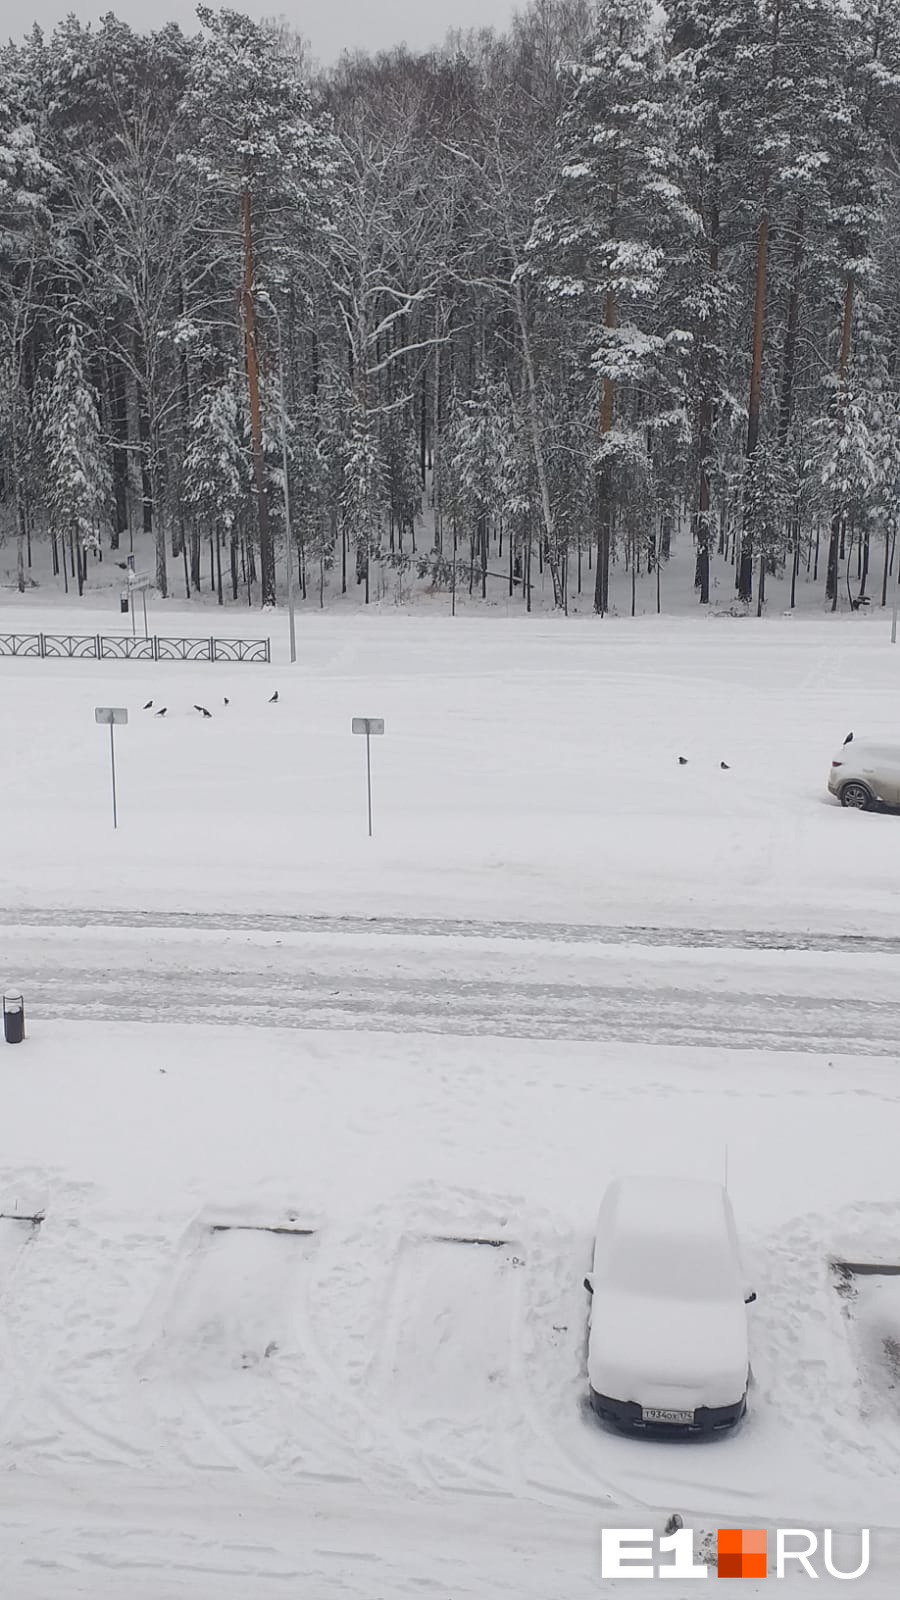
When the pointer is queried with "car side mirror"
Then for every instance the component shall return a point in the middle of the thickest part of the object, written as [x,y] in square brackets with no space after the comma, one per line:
[749,1297]
[589,1285]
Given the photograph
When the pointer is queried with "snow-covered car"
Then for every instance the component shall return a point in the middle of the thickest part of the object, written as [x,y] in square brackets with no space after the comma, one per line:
[866,773]
[668,1348]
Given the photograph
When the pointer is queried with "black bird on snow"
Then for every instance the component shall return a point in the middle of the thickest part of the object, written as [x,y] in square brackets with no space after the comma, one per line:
[203,711]
[724,765]
[274,698]
[682,761]
[226,700]
[148,705]
[162,712]
[849,739]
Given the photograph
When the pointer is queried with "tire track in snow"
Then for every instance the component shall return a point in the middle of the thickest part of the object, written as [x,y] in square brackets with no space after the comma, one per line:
[730,1019]
[456,927]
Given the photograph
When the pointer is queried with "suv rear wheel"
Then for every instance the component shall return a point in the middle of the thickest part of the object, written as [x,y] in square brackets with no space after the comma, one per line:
[856,796]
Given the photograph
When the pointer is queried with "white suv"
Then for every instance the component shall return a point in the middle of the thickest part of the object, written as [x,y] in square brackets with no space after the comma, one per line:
[866,773]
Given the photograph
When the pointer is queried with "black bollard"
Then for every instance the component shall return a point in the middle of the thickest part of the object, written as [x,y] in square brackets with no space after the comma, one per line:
[13,1018]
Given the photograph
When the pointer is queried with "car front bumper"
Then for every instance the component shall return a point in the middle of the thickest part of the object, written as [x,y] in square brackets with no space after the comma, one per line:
[626,1415]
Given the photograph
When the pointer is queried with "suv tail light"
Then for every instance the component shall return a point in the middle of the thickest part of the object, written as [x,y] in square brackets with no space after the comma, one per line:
[837,763]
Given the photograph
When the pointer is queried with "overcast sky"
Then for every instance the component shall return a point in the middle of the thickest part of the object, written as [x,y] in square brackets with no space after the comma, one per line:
[330,25]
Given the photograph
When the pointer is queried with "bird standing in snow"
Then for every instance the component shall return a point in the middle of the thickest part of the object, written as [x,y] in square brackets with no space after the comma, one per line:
[203,711]
[682,761]
[162,712]
[225,700]
[274,698]
[148,705]
[724,765]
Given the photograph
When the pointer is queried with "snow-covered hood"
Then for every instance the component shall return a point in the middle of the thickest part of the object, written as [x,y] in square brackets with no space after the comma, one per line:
[664,1352]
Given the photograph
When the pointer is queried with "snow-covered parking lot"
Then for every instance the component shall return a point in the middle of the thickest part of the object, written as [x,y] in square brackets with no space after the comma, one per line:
[371,1383]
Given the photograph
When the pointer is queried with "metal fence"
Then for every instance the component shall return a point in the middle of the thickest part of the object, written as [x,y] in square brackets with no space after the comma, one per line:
[109,647]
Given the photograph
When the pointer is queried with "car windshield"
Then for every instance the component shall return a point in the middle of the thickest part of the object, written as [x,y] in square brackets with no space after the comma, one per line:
[671,1268]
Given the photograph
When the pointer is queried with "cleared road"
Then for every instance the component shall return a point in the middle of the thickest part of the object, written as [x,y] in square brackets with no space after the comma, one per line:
[459,983]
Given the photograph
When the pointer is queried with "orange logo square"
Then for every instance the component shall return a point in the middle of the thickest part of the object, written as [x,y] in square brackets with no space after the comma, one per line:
[742,1553]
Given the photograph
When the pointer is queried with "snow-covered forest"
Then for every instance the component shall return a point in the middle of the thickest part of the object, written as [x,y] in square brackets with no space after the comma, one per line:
[531,303]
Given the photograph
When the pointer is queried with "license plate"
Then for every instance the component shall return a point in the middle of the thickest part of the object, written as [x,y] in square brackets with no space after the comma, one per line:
[661,1414]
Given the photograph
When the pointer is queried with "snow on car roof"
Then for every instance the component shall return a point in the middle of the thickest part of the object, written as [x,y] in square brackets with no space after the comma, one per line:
[669,1237]
[682,1205]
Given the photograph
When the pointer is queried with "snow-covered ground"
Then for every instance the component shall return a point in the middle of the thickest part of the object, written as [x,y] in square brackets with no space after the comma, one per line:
[243,1013]
[529,770]
[674,596]
[376,1406]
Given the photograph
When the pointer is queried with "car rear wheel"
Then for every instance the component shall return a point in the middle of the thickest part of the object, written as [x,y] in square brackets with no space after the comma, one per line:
[856,796]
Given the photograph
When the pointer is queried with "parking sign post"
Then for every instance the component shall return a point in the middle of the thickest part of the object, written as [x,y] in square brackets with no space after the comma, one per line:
[369,726]
[139,583]
[111,717]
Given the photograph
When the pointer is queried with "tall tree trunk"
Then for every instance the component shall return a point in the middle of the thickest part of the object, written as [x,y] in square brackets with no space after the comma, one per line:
[705,441]
[119,454]
[791,332]
[147,507]
[837,517]
[604,484]
[789,363]
[423,430]
[162,566]
[537,444]
[20,538]
[744,562]
[266,547]
[436,443]
[704,525]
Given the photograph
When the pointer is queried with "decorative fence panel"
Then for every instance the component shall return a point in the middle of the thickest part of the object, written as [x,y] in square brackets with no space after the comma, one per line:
[127,649]
[20,644]
[184,650]
[240,650]
[113,647]
[70,644]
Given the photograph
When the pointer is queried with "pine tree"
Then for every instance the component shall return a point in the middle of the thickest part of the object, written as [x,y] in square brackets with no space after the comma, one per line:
[599,242]
[267,164]
[216,467]
[78,483]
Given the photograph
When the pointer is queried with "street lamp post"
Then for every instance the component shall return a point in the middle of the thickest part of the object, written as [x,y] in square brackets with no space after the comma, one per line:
[287,499]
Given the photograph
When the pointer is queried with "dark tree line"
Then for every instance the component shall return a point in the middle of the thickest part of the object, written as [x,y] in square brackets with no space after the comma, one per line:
[515,310]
